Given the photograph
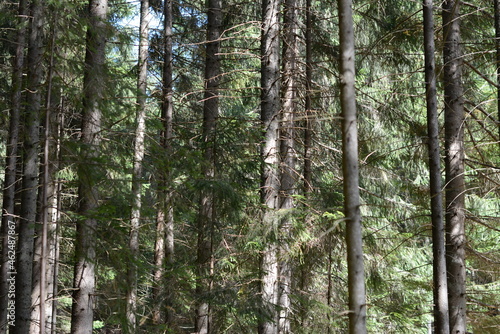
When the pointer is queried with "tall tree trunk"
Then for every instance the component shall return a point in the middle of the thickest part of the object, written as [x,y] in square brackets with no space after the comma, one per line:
[496,4]
[206,213]
[10,179]
[270,106]
[308,129]
[164,245]
[89,171]
[135,216]
[288,159]
[454,166]
[355,266]
[441,318]
[30,172]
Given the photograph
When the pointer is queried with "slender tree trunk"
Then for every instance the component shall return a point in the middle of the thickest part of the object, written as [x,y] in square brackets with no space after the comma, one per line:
[454,166]
[89,171]
[355,266]
[288,158]
[30,173]
[164,245]
[206,214]
[10,179]
[496,4]
[441,318]
[308,129]
[135,216]
[270,106]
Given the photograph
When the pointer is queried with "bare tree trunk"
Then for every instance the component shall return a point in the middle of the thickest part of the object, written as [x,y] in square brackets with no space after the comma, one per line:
[135,216]
[454,166]
[164,245]
[30,173]
[441,318]
[308,129]
[89,170]
[288,159]
[355,266]
[206,214]
[10,179]
[270,106]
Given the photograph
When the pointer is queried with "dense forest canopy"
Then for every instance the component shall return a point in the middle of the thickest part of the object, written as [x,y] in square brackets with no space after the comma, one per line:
[229,166]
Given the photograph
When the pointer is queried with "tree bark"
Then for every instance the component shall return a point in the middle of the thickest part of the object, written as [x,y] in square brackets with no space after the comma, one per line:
[89,171]
[10,179]
[454,166]
[441,318]
[30,172]
[206,213]
[355,266]
[288,158]
[270,105]
[135,216]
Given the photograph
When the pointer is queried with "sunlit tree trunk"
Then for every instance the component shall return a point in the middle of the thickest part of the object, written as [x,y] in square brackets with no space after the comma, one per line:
[441,319]
[10,178]
[454,166]
[135,216]
[355,266]
[89,171]
[270,106]
[206,213]
[31,149]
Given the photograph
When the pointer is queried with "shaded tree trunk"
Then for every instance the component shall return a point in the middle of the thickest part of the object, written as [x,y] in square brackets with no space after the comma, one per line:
[135,216]
[355,266]
[441,318]
[89,171]
[31,148]
[10,178]
[206,213]
[454,166]
[270,106]
[164,245]
[288,159]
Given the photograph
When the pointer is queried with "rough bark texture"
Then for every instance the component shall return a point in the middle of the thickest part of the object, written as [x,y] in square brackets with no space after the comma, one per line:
[441,319]
[355,267]
[206,214]
[288,159]
[89,171]
[454,166]
[270,105]
[30,172]
[10,179]
[135,216]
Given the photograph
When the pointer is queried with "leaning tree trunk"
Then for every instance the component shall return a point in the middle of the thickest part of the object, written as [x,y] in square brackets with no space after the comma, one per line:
[441,318]
[355,267]
[10,178]
[270,105]
[30,173]
[89,171]
[206,214]
[454,166]
[135,215]
[288,160]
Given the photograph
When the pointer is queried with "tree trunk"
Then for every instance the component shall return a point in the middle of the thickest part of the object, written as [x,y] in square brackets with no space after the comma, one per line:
[454,166]
[288,159]
[164,245]
[10,179]
[441,318]
[270,105]
[206,214]
[355,267]
[30,173]
[135,216]
[89,171]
